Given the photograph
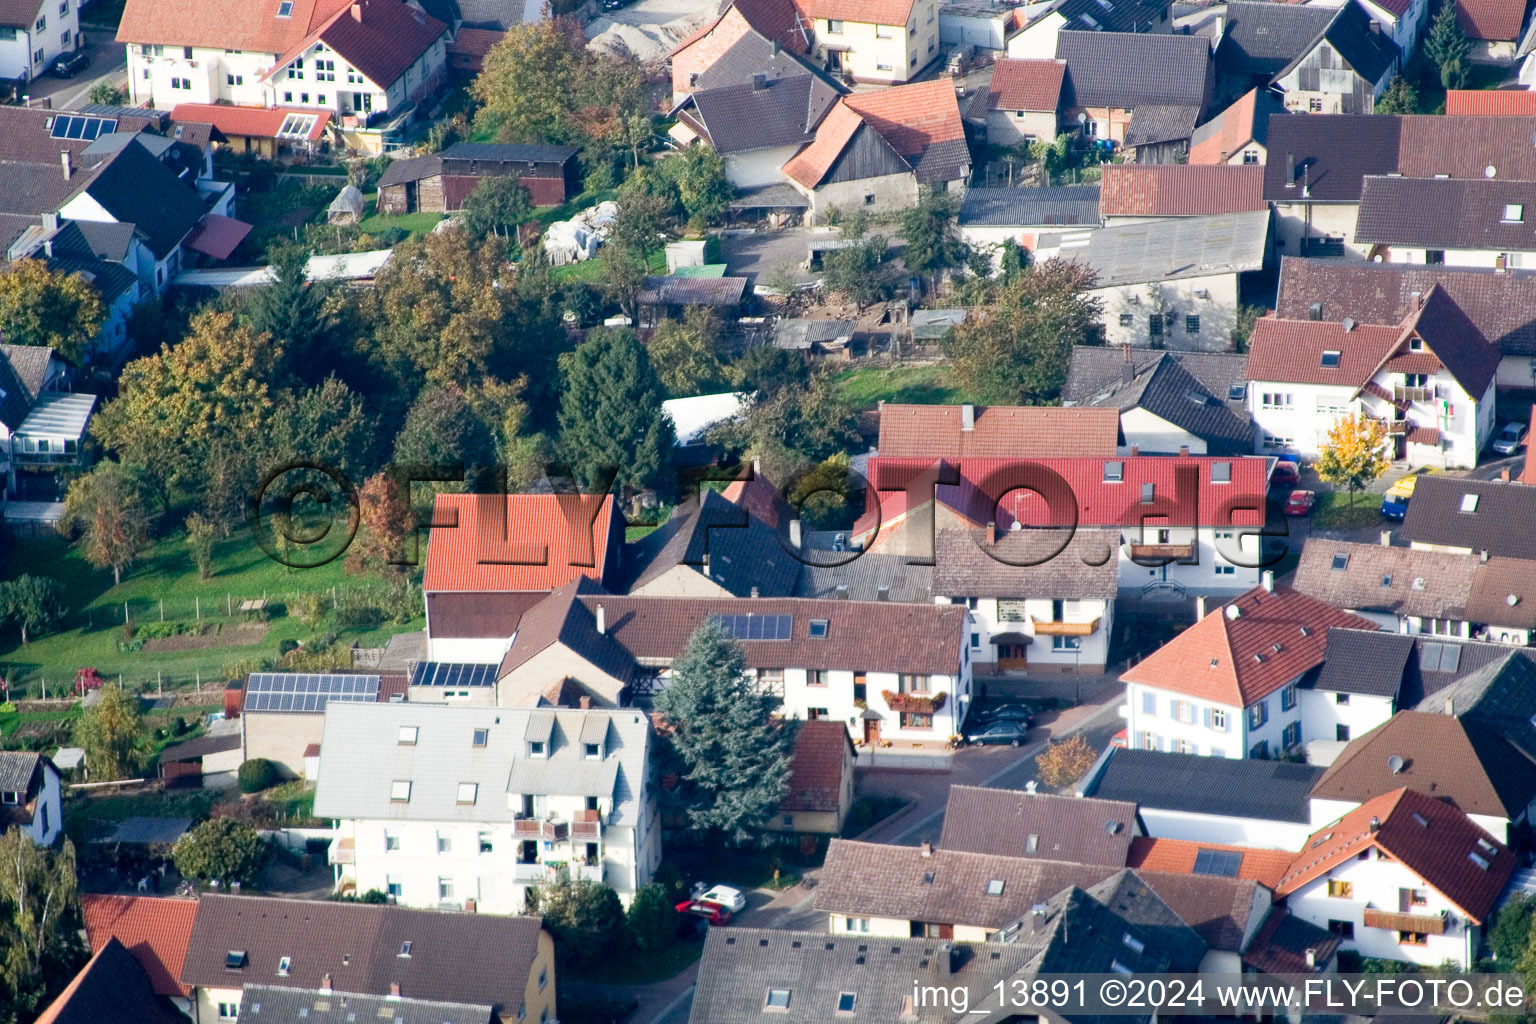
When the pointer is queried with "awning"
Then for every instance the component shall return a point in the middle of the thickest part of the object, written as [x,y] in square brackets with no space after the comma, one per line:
[837,47]
[1012,638]
[871,716]
[218,236]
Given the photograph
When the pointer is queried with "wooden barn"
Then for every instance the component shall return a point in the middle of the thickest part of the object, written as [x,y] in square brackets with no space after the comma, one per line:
[441,182]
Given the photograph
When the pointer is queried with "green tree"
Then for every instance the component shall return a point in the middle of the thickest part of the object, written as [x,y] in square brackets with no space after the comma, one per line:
[298,313]
[932,243]
[610,411]
[329,424]
[1354,455]
[1053,156]
[1017,352]
[223,849]
[683,353]
[39,306]
[498,205]
[443,427]
[309,609]
[765,370]
[200,534]
[1448,46]
[859,271]
[791,428]
[652,918]
[1511,932]
[1400,98]
[585,918]
[639,228]
[40,947]
[734,753]
[107,508]
[702,186]
[109,732]
[108,95]
[527,83]
[34,603]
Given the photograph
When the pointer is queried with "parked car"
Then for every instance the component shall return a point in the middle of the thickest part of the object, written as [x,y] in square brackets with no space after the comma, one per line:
[726,896]
[1011,733]
[714,913]
[1286,473]
[1121,739]
[1009,713]
[1394,504]
[1300,503]
[67,65]
[1508,441]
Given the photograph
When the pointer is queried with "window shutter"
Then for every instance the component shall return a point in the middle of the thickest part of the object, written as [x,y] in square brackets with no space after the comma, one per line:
[1404,901]
[1207,717]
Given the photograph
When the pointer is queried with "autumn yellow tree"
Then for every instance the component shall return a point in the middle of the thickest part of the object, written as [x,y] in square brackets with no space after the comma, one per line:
[1354,455]
[39,306]
[1062,764]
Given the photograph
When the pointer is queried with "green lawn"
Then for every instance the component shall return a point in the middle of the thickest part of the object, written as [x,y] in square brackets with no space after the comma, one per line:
[1334,511]
[415,223]
[164,574]
[917,384]
[591,271]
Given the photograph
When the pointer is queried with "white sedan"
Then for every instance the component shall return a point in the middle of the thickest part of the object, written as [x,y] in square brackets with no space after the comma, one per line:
[726,896]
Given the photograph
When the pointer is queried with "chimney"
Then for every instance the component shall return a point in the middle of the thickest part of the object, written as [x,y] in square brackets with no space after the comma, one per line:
[774,49]
[883,593]
[1127,372]
[967,417]
[1375,27]
[925,849]
[1312,953]
[1199,607]
[1269,580]
[50,222]
[394,986]
[584,702]
[754,591]
[602,621]
[759,81]
[67,162]
[1135,450]
[794,533]
[704,568]
[1504,475]
[757,466]
[357,13]
[991,532]
[841,593]
[1184,449]
[1031,786]
[1290,170]
[1386,538]
[1450,706]
[1375,825]
[944,960]
[48,248]
[325,983]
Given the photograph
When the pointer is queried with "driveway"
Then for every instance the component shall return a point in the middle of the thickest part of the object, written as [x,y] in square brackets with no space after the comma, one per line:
[109,63]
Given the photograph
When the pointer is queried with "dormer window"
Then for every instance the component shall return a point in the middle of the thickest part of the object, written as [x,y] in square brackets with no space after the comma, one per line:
[995,887]
[283,963]
[1147,492]
[537,748]
[285,9]
[482,737]
[817,629]
[1331,359]
[408,735]
[1513,213]
[1114,472]
[234,960]
[1221,472]
[592,751]
[468,791]
[10,798]
[400,791]
[1416,344]
[1469,503]
[405,948]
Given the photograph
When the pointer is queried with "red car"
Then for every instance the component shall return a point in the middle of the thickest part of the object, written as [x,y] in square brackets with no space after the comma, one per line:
[714,913]
[1285,474]
[1300,503]
[1121,739]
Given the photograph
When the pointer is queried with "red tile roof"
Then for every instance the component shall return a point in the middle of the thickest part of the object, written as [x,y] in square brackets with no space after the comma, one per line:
[1180,190]
[1491,102]
[779,21]
[813,162]
[218,236]
[998,431]
[380,38]
[912,117]
[1465,147]
[1231,656]
[155,930]
[1026,84]
[1528,471]
[249,122]
[548,528]
[863,12]
[252,25]
[1177,857]
[1431,838]
[470,45]
[1491,19]
[1291,351]
[1234,128]
[816,767]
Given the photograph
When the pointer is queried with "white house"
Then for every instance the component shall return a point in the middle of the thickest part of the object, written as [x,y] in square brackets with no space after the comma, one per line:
[1404,876]
[464,807]
[1356,689]
[1429,380]
[755,127]
[30,796]
[1229,686]
[33,34]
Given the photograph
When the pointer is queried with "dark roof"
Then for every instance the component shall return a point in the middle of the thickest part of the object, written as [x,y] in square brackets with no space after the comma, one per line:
[1131,897]
[1191,390]
[505,152]
[411,169]
[1012,823]
[1380,578]
[863,578]
[1152,123]
[16,401]
[1031,207]
[479,958]
[30,364]
[111,989]
[1438,663]
[1446,213]
[720,540]
[19,771]
[1120,69]
[1059,564]
[1263,39]
[1370,54]
[1284,942]
[1120,18]
[1264,790]
[108,240]
[269,1004]
[561,618]
[1498,523]
[1500,697]
[822,749]
[1331,155]
[1370,663]
[200,747]
[691,291]
[742,117]
[1465,147]
[478,615]
[94,254]
[1448,758]
[755,54]
[1380,293]
[135,188]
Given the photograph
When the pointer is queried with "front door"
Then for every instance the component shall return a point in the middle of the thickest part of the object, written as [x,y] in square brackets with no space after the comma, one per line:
[872,731]
[1013,657]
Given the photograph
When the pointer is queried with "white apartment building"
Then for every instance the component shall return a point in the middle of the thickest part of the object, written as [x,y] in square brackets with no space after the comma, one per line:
[466,807]
[32,35]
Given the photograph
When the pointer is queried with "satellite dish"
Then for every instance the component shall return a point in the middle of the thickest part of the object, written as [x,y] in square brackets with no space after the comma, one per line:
[1081,117]
[1233,611]
[1512,600]
[1396,764]
[1490,171]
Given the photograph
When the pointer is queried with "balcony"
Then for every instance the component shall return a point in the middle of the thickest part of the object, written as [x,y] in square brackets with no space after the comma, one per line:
[587,827]
[1044,628]
[538,828]
[1400,393]
[588,872]
[1163,552]
[1420,924]
[343,851]
[534,872]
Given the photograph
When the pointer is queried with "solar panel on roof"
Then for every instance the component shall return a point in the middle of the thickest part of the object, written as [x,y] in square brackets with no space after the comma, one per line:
[756,627]
[306,692]
[1225,863]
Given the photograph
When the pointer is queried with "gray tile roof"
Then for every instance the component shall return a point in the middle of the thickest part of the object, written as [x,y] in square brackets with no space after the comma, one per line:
[864,576]
[739,118]
[1013,823]
[1127,895]
[1370,53]
[753,54]
[1329,156]
[1130,17]
[17,770]
[1375,577]
[1263,790]
[360,756]
[1031,207]
[1082,564]
[1499,523]
[1445,213]
[30,364]
[691,291]
[1500,697]
[1191,390]
[1175,248]
[1123,69]
[268,1004]
[1360,661]
[1153,123]
[1262,39]
[714,537]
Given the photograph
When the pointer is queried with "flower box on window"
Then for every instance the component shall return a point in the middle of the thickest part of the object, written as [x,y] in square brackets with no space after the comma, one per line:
[925,704]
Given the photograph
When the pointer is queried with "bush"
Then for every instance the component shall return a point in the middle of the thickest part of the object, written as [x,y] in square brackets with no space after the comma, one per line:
[586,919]
[652,918]
[256,775]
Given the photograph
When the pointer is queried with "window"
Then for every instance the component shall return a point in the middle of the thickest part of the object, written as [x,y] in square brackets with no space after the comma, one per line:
[1343,929]
[1149,704]
[485,843]
[1184,711]
[64,38]
[229,1011]
[405,948]
[400,791]
[1066,643]
[283,963]
[1192,324]
[37,58]
[1469,503]
[234,960]
[320,99]
[482,737]
[771,679]
[1330,359]
[303,97]
[1114,472]
[1412,939]
[1149,741]
[834,27]
[1341,698]
[536,748]
[882,31]
[1184,747]
[916,720]
[287,97]
[445,888]
[1274,400]
[1250,156]
[285,9]
[408,735]
[325,71]
[1412,898]
[821,677]
[1225,570]
[64,8]
[778,999]
[912,684]
[1290,736]
[816,714]
[995,887]
[1514,213]
[444,842]
[468,791]
[1288,697]
[856,924]
[42,23]
[1258,714]
[1126,319]
[391,841]
[846,1002]
[788,821]
[869,199]
[1340,889]
[1155,324]
[1315,106]
[1218,719]
[543,978]
[10,797]
[392,888]
[884,67]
